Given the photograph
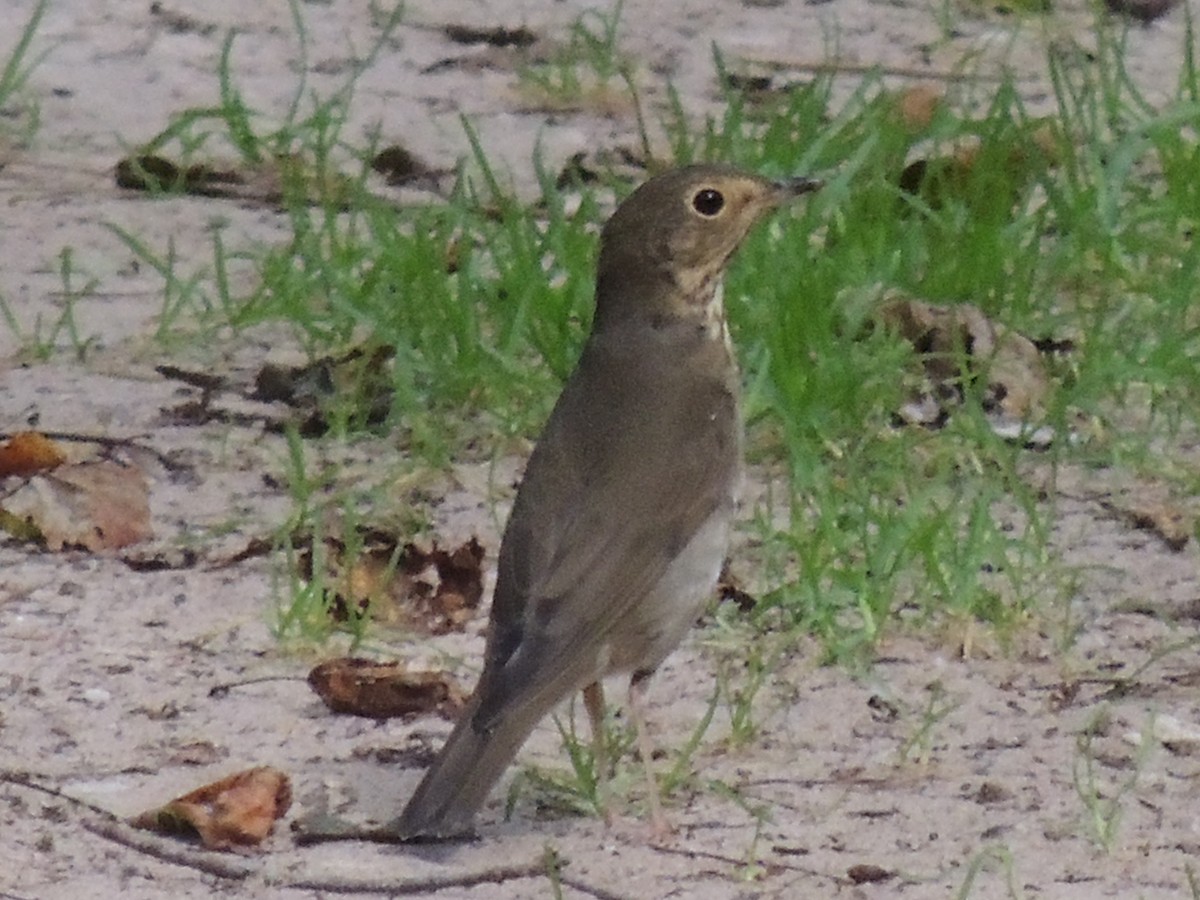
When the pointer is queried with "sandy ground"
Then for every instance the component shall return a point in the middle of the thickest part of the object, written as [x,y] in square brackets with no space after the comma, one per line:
[105,671]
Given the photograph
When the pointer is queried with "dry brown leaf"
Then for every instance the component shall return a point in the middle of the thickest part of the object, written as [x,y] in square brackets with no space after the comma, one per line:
[951,338]
[100,505]
[399,165]
[918,104]
[238,811]
[604,163]
[729,590]
[180,22]
[494,36]
[28,452]
[443,586]
[157,173]
[752,86]
[1171,523]
[867,873]
[952,174]
[434,590]
[359,379]
[362,687]
[266,183]
[1154,511]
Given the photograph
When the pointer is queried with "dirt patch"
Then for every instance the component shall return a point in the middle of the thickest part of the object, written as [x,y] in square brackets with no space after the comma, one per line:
[1036,773]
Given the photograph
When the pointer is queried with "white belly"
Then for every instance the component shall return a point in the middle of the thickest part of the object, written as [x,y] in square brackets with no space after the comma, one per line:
[666,614]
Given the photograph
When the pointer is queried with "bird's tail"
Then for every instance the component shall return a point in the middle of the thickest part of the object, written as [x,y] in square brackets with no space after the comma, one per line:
[462,776]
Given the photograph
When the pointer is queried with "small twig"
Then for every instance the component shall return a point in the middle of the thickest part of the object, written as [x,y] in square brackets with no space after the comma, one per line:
[1122,685]
[327,829]
[256,547]
[26,780]
[597,892]
[220,690]
[170,850]
[206,381]
[740,863]
[853,780]
[401,887]
[843,68]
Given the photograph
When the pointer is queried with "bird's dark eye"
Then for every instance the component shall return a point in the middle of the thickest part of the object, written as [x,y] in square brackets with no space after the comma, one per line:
[708,202]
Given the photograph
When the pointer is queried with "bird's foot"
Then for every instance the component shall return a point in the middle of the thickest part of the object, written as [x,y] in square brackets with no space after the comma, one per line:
[659,832]
[322,828]
[662,832]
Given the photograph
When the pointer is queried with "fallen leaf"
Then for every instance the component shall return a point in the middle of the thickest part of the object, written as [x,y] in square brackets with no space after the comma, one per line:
[158,174]
[980,171]
[100,505]
[991,792]
[238,811]
[866,873]
[497,36]
[179,22]
[362,687]
[959,344]
[603,164]
[162,559]
[754,87]
[433,590]
[729,590]
[444,585]
[28,452]
[1150,506]
[398,165]
[354,386]
[268,182]
[918,105]
[1170,522]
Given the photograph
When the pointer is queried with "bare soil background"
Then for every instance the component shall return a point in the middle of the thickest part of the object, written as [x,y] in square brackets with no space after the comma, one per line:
[105,671]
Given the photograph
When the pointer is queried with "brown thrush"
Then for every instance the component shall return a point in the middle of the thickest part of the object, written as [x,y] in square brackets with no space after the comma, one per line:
[622,520]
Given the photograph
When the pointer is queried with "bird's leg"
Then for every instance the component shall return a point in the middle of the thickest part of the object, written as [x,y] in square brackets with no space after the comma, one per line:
[659,825]
[593,701]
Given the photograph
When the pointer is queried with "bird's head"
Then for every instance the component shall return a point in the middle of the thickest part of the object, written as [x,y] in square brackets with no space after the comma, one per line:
[663,251]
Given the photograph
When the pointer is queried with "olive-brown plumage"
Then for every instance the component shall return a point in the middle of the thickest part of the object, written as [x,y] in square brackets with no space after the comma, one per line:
[621,523]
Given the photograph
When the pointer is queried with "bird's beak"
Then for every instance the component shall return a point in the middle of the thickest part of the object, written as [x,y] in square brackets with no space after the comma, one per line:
[794,187]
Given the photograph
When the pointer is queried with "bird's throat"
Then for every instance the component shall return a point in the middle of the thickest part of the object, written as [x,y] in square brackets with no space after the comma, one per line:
[711,310]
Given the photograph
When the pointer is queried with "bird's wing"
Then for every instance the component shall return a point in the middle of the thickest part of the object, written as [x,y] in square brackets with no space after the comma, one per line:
[640,451]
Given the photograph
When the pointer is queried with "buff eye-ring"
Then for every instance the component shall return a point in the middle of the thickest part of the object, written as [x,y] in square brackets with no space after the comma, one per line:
[708,202]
